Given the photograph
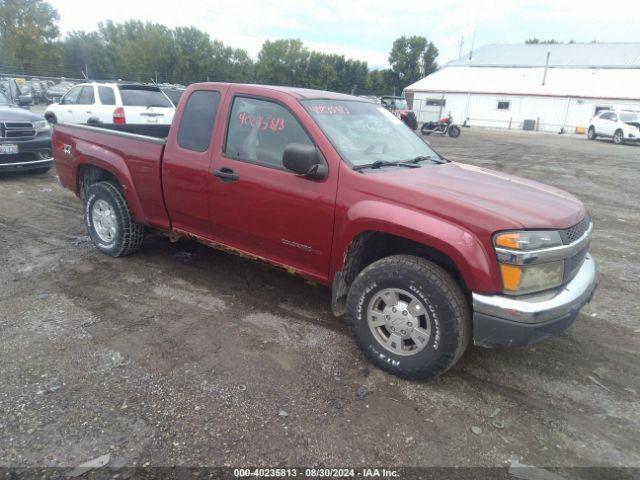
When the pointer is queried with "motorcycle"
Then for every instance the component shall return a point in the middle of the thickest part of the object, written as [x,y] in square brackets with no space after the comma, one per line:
[444,126]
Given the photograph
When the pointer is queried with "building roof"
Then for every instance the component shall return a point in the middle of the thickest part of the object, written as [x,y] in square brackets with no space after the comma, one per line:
[565,55]
[561,82]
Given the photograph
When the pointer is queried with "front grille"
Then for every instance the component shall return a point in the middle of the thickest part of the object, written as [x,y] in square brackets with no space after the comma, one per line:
[17,130]
[572,234]
[573,264]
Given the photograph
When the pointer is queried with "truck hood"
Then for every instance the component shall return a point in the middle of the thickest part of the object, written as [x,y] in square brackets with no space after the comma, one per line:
[17,114]
[483,198]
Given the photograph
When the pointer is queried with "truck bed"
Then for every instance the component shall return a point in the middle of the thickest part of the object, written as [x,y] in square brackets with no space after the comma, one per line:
[134,160]
[144,129]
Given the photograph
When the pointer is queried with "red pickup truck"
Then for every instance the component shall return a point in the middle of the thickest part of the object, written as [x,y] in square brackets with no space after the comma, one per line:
[422,254]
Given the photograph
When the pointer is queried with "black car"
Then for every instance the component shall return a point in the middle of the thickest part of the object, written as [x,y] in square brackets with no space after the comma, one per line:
[25,139]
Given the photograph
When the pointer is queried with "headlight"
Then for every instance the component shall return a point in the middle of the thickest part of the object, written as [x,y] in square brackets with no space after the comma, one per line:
[520,277]
[41,126]
[528,240]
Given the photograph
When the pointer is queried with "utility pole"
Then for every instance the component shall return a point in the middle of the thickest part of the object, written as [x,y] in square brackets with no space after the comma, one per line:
[86,71]
[461,44]
[473,42]
[546,67]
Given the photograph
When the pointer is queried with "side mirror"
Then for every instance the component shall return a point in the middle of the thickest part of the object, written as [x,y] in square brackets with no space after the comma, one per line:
[304,160]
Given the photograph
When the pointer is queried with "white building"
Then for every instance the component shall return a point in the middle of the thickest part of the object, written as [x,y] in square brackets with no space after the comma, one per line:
[545,87]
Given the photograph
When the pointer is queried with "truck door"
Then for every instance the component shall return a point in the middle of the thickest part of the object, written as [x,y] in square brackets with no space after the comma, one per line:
[260,207]
[186,177]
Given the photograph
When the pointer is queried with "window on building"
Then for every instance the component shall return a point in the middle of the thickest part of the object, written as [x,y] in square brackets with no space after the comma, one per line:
[260,130]
[504,105]
[196,125]
[601,108]
[436,102]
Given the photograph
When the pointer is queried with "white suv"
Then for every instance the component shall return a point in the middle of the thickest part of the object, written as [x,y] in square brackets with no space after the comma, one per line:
[112,103]
[621,126]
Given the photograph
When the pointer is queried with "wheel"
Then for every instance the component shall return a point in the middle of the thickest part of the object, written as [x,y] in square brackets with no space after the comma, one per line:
[108,220]
[454,132]
[409,317]
[618,137]
[51,118]
[40,170]
[424,131]
[591,133]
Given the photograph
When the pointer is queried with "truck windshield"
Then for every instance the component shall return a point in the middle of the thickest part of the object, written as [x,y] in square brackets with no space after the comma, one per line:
[364,133]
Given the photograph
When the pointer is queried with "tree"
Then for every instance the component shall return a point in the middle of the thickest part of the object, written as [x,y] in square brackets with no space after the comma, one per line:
[411,59]
[28,30]
[86,51]
[536,41]
[282,62]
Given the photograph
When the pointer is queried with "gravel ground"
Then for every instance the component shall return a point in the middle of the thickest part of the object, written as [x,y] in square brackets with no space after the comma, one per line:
[183,355]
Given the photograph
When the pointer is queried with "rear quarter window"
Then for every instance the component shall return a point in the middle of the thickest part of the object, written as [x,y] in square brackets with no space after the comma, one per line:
[196,125]
[107,95]
[144,98]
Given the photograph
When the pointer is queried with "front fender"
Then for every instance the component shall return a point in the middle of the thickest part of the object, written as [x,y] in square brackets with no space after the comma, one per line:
[478,269]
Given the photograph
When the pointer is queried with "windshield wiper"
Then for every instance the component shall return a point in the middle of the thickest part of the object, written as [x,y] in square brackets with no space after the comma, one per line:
[384,163]
[421,158]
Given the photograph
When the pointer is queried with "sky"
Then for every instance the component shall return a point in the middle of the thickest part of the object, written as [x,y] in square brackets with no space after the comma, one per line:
[365,30]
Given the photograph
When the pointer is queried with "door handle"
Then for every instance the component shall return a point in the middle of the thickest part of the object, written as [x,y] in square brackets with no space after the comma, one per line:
[226,175]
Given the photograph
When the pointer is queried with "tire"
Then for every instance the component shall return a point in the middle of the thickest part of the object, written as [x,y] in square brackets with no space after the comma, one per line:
[447,318]
[591,133]
[454,132]
[108,220]
[423,131]
[42,170]
[51,118]
[618,137]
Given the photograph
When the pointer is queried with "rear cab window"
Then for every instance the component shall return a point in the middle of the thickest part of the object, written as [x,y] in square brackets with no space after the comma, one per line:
[198,118]
[137,96]
[260,130]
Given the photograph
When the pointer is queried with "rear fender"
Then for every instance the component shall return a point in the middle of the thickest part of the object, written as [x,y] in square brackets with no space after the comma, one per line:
[91,154]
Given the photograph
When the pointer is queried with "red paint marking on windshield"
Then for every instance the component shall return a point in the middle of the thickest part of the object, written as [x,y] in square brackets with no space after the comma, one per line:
[330,110]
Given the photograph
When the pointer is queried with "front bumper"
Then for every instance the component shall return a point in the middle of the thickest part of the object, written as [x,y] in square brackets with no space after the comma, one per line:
[33,153]
[501,320]
[25,166]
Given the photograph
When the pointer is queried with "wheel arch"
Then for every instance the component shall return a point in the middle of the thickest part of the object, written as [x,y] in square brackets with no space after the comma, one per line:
[89,172]
[452,248]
